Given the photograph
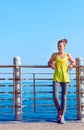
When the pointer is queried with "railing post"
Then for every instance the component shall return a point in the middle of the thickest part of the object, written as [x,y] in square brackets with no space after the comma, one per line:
[17,89]
[80,87]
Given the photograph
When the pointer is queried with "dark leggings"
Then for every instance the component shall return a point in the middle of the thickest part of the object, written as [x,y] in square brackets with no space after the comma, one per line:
[56,86]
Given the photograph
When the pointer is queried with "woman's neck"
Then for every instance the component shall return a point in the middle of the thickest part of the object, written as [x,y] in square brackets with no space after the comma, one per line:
[61,52]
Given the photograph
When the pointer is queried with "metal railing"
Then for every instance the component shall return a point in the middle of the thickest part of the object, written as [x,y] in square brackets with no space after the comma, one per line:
[26,93]
[35,92]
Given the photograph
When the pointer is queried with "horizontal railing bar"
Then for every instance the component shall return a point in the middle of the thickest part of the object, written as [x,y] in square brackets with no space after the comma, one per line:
[41,73]
[2,99]
[41,98]
[31,85]
[71,98]
[6,99]
[37,85]
[45,78]
[6,106]
[7,92]
[6,78]
[33,73]
[46,105]
[7,66]
[25,85]
[24,66]
[2,78]
[2,85]
[2,92]
[48,112]
[44,92]
[33,66]
[69,92]
[47,99]
[11,85]
[36,79]
[30,79]
[47,92]
[41,79]
[40,92]
[11,92]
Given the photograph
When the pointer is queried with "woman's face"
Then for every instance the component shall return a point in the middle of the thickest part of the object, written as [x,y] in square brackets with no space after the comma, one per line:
[60,46]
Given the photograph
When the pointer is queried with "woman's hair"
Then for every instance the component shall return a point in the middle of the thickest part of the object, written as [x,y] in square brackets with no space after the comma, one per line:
[64,41]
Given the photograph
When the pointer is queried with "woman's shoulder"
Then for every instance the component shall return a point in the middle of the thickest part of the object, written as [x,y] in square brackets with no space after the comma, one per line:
[68,54]
[54,54]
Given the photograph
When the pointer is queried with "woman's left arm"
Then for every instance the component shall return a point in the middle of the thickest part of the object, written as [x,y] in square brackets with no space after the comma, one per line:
[72,62]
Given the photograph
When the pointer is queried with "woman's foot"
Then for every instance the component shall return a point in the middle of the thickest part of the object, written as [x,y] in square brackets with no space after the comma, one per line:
[62,120]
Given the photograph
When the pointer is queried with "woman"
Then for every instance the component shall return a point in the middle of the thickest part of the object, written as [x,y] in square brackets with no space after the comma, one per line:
[59,62]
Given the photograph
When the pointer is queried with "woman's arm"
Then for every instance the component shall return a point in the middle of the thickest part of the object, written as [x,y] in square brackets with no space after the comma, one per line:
[51,60]
[72,62]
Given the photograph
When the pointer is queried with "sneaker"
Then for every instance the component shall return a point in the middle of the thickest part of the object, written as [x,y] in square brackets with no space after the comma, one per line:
[62,121]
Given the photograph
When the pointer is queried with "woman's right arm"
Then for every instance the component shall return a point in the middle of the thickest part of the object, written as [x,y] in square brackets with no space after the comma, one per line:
[51,60]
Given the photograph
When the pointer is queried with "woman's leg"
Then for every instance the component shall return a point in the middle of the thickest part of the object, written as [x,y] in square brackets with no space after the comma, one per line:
[63,97]
[56,86]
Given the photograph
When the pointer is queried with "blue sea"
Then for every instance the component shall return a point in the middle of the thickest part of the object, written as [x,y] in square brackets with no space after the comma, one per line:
[40,109]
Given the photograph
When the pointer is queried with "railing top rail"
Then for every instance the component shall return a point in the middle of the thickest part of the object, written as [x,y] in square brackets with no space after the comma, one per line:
[7,66]
[33,66]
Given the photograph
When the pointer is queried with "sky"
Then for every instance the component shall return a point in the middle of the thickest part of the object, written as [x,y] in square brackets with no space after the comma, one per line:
[31,28]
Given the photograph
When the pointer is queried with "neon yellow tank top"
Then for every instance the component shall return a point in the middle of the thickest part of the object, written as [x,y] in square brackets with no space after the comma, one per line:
[61,73]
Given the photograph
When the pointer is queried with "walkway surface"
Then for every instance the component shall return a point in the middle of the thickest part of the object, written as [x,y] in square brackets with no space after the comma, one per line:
[41,126]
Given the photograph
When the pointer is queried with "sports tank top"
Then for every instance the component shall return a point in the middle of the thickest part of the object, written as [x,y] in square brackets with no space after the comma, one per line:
[61,73]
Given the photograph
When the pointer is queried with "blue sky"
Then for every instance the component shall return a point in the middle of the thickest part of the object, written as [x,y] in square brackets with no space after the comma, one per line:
[31,28]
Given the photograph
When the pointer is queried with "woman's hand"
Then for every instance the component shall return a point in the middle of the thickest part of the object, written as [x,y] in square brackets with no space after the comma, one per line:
[70,67]
[53,66]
